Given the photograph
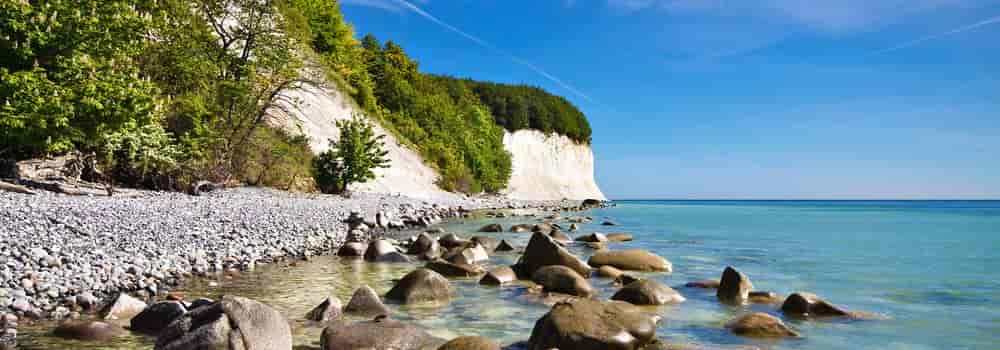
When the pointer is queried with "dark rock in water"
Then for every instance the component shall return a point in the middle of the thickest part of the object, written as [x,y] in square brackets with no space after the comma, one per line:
[421,285]
[593,237]
[609,223]
[492,228]
[619,237]
[328,310]
[87,330]
[124,307]
[470,343]
[352,249]
[199,303]
[379,334]
[632,260]
[609,271]
[561,279]
[764,297]
[703,284]
[435,231]
[520,228]
[573,227]
[156,317]
[365,302]
[543,251]
[499,276]
[543,228]
[802,304]
[424,245]
[379,248]
[590,324]
[759,324]
[648,292]
[625,279]
[591,203]
[392,257]
[734,287]
[451,240]
[504,246]
[488,243]
[232,323]
[450,269]
[560,237]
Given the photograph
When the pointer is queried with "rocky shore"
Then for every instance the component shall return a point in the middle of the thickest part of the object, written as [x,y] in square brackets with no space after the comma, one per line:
[67,254]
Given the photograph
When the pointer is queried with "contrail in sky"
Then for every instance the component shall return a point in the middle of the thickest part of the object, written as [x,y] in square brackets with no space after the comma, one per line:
[495,49]
[966,28]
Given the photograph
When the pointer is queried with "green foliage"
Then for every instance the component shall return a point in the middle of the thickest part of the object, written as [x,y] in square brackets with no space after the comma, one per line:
[278,159]
[141,154]
[351,159]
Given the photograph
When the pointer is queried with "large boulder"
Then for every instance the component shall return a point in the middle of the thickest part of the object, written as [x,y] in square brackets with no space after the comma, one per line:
[488,243]
[593,238]
[421,285]
[561,279]
[543,251]
[619,237]
[503,246]
[632,260]
[452,240]
[591,324]
[648,292]
[352,249]
[492,228]
[424,245]
[329,310]
[560,237]
[380,334]
[124,307]
[232,323]
[543,228]
[759,324]
[802,304]
[378,249]
[87,330]
[450,269]
[156,317]
[609,271]
[591,203]
[365,302]
[734,287]
[472,253]
[703,284]
[499,276]
[470,343]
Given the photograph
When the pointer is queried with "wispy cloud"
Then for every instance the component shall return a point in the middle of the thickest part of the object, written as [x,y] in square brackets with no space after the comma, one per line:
[403,4]
[919,41]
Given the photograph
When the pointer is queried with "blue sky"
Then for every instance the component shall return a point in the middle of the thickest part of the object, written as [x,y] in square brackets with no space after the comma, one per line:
[742,99]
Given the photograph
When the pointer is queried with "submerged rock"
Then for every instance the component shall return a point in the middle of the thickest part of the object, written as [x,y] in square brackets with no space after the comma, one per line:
[590,324]
[156,317]
[759,324]
[365,302]
[329,310]
[87,330]
[470,343]
[633,260]
[802,304]
[543,251]
[703,284]
[421,285]
[648,292]
[492,228]
[232,323]
[520,228]
[619,237]
[499,276]
[764,297]
[734,287]
[378,334]
[561,279]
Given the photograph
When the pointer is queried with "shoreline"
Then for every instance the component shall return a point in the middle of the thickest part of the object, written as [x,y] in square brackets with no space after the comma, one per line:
[68,255]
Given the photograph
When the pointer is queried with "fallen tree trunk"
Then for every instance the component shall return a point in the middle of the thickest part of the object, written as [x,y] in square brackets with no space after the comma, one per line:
[9,187]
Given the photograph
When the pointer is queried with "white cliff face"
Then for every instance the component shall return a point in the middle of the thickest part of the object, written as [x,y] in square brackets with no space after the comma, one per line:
[550,167]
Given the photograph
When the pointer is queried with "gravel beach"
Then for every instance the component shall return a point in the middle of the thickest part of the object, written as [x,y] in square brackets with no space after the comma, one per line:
[64,253]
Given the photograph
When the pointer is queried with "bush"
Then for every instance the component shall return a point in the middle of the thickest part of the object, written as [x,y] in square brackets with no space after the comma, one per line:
[351,159]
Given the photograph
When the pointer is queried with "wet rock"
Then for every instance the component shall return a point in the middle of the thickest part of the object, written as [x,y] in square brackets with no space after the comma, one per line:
[378,249]
[378,334]
[591,203]
[520,228]
[561,279]
[352,249]
[421,285]
[492,228]
[764,297]
[543,228]
[648,292]
[470,343]
[87,330]
[596,245]
[124,307]
[632,260]
[619,237]
[365,302]
[452,240]
[703,284]
[488,243]
[450,269]
[543,251]
[625,279]
[86,301]
[560,237]
[499,276]
[802,304]
[734,287]
[156,317]
[609,223]
[609,271]
[470,254]
[392,257]
[504,246]
[232,323]
[593,237]
[590,324]
[199,303]
[328,310]
[759,324]
[424,245]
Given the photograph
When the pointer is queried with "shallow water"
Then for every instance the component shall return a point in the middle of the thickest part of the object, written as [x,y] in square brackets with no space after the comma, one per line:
[926,268]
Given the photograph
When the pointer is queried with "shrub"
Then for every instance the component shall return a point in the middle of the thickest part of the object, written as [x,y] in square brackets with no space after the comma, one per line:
[351,159]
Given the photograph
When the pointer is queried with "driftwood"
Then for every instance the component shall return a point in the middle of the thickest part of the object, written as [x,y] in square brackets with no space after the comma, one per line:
[65,174]
[9,187]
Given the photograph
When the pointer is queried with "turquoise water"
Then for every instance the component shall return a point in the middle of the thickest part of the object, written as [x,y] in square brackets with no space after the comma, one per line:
[925,271]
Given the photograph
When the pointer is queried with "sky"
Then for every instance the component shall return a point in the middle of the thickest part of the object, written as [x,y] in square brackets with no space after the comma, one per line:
[763,99]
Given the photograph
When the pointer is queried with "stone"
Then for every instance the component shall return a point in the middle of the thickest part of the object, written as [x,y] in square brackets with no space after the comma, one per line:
[631,260]
[379,248]
[763,297]
[619,237]
[450,269]
[734,287]
[761,325]
[609,271]
[560,237]
[543,251]
[703,284]
[648,292]
[519,228]
[365,302]
[591,203]
[199,303]
[596,245]
[352,249]
[591,324]
[625,279]
[504,246]
[609,223]
[424,245]
[561,279]
[499,276]
[329,310]
[492,228]
[593,237]
[124,307]
[471,254]
[452,240]
[488,243]
[87,330]
[470,343]
[392,257]
[421,285]
[381,333]
[543,228]
[802,304]
[156,317]
[232,323]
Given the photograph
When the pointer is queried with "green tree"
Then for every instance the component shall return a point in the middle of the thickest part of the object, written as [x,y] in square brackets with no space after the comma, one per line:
[351,159]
